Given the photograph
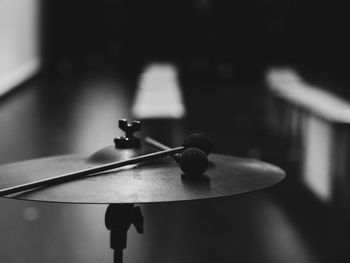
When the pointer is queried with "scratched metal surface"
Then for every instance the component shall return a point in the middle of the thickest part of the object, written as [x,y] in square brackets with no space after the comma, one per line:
[157,182]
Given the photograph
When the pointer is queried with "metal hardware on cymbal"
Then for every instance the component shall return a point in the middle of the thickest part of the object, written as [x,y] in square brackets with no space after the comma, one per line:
[128,140]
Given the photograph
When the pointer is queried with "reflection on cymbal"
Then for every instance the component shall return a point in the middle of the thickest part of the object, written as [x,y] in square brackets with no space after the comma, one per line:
[160,181]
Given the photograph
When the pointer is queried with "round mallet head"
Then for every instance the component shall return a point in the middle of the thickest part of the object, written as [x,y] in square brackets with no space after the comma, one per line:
[199,140]
[193,162]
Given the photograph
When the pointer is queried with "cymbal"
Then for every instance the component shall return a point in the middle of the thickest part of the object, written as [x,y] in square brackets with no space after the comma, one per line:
[156,181]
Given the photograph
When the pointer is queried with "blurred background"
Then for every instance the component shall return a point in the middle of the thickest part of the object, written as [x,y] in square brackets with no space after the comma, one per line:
[265,79]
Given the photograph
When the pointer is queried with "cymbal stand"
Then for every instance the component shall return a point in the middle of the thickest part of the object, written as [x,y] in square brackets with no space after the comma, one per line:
[118,220]
[119,217]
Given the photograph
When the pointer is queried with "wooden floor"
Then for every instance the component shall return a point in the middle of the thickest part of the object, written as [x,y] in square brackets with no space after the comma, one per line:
[79,114]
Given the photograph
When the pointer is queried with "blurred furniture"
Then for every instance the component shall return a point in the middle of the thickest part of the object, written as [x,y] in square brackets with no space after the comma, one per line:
[313,124]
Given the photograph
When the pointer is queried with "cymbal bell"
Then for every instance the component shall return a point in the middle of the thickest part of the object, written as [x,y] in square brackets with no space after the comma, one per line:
[156,181]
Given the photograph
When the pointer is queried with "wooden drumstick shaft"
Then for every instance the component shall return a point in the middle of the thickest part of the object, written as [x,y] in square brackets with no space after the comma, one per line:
[160,146]
[97,169]
[156,144]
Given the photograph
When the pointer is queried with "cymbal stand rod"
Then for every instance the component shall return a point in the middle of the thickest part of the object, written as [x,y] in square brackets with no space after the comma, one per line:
[118,256]
[94,170]
[118,219]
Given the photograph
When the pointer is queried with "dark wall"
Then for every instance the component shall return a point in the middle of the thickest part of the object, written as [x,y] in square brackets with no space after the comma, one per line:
[311,35]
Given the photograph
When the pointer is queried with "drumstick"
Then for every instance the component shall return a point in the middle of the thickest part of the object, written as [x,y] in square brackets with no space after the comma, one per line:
[192,160]
[160,146]
[196,139]
[85,172]
[193,163]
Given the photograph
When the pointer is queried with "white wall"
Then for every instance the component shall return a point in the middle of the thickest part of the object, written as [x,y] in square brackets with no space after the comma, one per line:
[19,41]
